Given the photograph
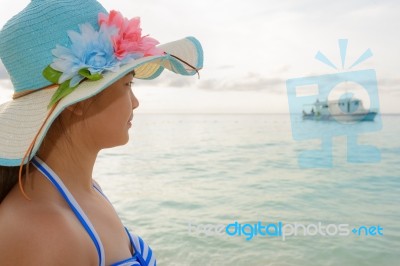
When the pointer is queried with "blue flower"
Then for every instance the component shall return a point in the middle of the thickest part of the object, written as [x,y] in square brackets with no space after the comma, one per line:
[89,49]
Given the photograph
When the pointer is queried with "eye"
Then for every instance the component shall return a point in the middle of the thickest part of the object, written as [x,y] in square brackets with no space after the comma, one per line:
[130,84]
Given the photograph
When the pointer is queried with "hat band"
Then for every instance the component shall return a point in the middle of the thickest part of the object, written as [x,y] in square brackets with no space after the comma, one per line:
[186,63]
[17,95]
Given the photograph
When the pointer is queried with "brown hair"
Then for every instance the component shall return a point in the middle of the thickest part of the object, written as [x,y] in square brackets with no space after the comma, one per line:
[9,176]
[8,179]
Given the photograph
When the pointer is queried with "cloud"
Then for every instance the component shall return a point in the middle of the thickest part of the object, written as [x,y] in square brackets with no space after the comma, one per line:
[225,67]
[389,82]
[390,86]
[276,85]
[3,72]
[168,79]
[283,69]
[251,82]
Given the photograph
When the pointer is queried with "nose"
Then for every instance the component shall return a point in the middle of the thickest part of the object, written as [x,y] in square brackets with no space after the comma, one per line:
[134,101]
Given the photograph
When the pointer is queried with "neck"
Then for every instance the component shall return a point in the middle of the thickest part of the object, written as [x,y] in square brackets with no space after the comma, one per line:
[74,168]
[73,163]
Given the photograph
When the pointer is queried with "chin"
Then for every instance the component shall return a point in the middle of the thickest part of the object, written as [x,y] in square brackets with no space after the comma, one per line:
[123,142]
[116,143]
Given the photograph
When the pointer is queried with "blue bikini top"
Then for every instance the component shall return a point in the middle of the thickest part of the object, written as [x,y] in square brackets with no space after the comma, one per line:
[143,254]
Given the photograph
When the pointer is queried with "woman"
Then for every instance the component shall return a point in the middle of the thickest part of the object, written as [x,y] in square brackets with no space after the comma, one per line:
[72,65]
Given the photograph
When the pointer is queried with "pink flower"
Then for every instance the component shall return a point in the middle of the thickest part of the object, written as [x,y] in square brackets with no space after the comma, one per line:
[128,39]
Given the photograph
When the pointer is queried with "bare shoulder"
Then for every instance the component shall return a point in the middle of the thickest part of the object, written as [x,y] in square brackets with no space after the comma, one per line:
[38,234]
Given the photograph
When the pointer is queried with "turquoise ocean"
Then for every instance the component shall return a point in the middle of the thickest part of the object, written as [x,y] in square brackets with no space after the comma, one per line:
[182,177]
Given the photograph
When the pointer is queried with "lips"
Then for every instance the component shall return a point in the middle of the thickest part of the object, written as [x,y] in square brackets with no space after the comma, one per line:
[130,118]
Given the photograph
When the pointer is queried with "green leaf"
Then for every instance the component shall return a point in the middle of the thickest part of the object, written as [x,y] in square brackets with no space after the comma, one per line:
[51,74]
[63,90]
[86,73]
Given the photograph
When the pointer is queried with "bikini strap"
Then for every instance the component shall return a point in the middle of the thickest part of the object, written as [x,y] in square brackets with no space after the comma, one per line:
[143,251]
[73,204]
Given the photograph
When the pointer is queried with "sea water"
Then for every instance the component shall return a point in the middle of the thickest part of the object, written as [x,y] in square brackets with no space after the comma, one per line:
[182,177]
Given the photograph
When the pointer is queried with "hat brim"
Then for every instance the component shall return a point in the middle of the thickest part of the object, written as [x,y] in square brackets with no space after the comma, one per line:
[21,119]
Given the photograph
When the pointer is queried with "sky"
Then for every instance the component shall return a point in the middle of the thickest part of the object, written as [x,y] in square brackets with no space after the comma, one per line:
[252,47]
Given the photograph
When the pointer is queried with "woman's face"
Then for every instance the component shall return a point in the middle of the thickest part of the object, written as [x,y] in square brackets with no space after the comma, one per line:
[109,115]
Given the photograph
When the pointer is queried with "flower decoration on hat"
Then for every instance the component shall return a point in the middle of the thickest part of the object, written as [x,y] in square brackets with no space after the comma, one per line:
[91,53]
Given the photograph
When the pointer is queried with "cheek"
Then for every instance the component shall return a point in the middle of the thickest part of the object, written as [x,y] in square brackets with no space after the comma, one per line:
[117,110]
[116,115]
[112,123]
[108,124]
[108,131]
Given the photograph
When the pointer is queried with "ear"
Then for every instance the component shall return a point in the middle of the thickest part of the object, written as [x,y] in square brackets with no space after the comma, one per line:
[76,109]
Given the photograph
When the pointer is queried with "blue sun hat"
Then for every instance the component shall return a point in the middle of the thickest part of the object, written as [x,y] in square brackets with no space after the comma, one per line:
[60,52]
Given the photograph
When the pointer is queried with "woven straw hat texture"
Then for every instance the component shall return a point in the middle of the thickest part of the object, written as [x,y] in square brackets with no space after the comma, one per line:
[26,42]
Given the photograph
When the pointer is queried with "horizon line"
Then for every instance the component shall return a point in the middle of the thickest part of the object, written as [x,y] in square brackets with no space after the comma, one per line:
[227,113]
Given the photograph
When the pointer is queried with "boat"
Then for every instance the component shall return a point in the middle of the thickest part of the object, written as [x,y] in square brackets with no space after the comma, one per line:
[345,110]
